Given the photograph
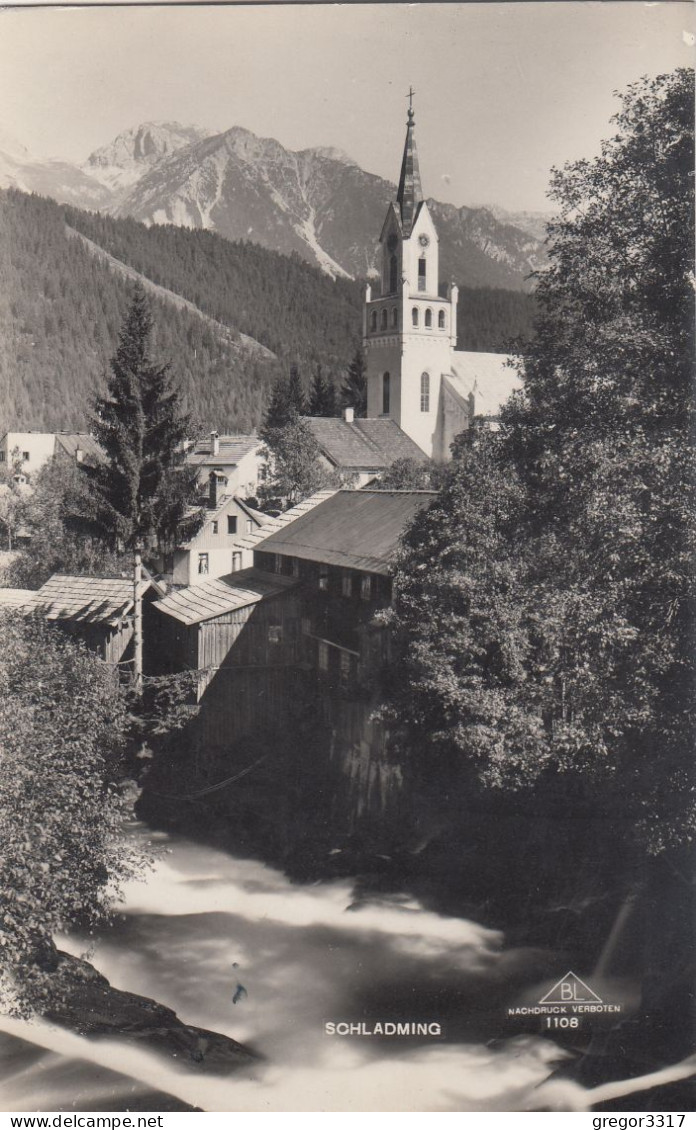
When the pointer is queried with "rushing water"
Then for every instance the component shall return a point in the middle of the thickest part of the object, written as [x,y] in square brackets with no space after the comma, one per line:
[232,945]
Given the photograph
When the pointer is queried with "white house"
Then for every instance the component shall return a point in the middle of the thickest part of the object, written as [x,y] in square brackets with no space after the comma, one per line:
[215,549]
[28,452]
[237,458]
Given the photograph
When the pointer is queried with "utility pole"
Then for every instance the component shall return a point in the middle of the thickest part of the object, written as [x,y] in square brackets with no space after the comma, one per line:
[137,619]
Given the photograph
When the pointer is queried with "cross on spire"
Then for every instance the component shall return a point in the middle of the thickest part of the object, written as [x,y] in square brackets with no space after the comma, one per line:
[410,94]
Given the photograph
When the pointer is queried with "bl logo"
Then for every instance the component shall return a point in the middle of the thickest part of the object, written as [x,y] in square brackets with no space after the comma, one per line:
[570,990]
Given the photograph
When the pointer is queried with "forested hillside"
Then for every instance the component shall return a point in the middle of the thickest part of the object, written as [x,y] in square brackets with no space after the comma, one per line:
[61,306]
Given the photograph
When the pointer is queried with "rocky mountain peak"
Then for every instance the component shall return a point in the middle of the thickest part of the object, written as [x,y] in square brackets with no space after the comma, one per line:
[124,159]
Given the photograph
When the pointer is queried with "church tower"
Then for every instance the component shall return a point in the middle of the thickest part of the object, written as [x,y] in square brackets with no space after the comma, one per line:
[409,321]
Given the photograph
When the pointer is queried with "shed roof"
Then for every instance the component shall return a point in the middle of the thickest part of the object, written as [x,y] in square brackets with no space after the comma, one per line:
[232,449]
[359,529]
[214,598]
[363,445]
[487,376]
[87,600]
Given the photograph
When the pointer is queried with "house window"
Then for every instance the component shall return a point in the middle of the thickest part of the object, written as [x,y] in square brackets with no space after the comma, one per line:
[215,527]
[306,626]
[277,563]
[366,586]
[428,319]
[275,633]
[441,320]
[383,320]
[203,563]
[249,526]
[324,578]
[393,274]
[421,274]
[386,381]
[231,523]
[425,392]
[236,562]
[347,584]
[414,316]
[373,320]
[345,667]
[25,456]
[323,656]
[395,318]
[2,456]
[295,566]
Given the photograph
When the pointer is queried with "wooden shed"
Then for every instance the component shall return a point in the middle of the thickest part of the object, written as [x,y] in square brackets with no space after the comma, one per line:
[199,627]
[98,610]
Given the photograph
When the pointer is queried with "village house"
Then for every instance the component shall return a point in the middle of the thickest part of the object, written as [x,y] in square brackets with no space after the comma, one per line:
[215,548]
[236,458]
[28,452]
[361,449]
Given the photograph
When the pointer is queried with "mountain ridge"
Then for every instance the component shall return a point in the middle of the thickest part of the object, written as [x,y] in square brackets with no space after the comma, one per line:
[316,202]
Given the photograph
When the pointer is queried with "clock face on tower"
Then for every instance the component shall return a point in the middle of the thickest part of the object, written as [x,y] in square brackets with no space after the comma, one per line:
[423,240]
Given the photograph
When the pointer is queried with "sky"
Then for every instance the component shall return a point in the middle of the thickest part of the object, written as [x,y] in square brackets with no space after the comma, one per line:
[504,91]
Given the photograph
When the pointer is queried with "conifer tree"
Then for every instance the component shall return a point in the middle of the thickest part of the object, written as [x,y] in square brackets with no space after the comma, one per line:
[141,491]
[354,387]
[322,395]
[296,392]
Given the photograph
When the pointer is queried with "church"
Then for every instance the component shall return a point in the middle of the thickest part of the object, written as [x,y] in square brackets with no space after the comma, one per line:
[419,384]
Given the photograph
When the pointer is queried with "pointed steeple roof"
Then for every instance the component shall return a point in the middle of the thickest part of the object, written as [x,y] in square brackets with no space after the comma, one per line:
[410,193]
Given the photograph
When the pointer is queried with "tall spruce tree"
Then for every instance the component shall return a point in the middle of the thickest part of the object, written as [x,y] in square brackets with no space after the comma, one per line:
[140,493]
[354,387]
[322,395]
[296,392]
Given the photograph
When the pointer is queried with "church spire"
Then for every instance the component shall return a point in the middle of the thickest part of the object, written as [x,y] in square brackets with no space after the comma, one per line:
[410,193]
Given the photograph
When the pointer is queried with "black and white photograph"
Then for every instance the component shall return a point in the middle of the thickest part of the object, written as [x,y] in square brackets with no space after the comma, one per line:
[347,537]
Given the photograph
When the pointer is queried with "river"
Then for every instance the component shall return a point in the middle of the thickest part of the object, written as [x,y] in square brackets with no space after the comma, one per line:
[233,946]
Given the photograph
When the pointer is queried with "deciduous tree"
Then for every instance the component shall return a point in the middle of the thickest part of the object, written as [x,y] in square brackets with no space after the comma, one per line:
[65,851]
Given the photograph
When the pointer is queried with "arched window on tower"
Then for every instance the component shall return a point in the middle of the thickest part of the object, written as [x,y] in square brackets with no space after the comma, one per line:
[395,318]
[428,319]
[421,274]
[383,320]
[425,392]
[373,320]
[386,381]
[441,320]
[393,274]
[414,315]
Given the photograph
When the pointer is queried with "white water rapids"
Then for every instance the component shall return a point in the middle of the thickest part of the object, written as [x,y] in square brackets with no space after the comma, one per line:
[204,924]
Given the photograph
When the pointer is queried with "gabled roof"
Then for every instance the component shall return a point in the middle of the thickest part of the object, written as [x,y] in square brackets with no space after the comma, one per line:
[72,442]
[485,375]
[220,595]
[232,449]
[363,445]
[359,529]
[88,600]
[253,540]
[228,502]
